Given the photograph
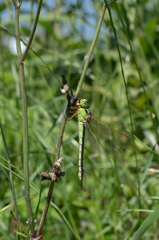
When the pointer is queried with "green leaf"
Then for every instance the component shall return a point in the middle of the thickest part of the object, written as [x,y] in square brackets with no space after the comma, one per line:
[146,224]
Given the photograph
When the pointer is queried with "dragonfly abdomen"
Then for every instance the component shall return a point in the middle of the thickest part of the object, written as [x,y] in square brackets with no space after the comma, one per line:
[81,130]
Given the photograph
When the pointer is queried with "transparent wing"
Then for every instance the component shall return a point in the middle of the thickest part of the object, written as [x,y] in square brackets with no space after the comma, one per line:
[101,130]
[91,137]
[113,142]
[111,137]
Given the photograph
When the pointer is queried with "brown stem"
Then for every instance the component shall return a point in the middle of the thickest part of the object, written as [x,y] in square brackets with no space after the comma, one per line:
[53,177]
[45,209]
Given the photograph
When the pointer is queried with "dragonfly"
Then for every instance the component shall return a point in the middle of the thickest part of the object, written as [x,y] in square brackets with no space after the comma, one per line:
[97,132]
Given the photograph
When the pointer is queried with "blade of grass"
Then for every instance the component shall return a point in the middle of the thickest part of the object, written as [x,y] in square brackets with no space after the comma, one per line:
[148,222]
[10,173]
[127,96]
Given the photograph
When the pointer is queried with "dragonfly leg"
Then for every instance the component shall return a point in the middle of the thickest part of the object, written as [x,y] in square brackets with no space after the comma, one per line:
[74,108]
[74,114]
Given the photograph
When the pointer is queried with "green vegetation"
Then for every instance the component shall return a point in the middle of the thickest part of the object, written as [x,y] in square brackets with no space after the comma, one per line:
[121,85]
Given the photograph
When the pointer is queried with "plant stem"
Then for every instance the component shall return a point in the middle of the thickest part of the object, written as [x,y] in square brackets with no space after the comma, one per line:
[47,204]
[25,125]
[90,51]
[63,124]
[48,200]
[33,31]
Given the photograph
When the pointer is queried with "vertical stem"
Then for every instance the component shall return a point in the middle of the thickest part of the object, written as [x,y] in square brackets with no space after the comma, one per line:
[90,51]
[25,125]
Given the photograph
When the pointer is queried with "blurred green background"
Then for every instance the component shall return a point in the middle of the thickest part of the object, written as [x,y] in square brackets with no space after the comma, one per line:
[104,208]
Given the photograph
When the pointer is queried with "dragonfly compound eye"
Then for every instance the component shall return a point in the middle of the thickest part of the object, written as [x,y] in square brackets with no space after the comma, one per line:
[85,103]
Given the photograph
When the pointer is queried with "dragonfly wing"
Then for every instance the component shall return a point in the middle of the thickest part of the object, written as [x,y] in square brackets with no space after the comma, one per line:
[101,130]
[122,141]
[112,150]
[116,155]
[91,137]
[112,142]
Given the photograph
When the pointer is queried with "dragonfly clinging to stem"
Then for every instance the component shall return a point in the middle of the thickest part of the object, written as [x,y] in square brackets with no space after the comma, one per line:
[97,131]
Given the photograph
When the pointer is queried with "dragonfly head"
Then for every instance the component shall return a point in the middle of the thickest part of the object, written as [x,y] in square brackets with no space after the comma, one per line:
[82,103]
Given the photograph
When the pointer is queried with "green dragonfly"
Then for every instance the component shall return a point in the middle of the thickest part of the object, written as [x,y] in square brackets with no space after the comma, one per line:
[96,131]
